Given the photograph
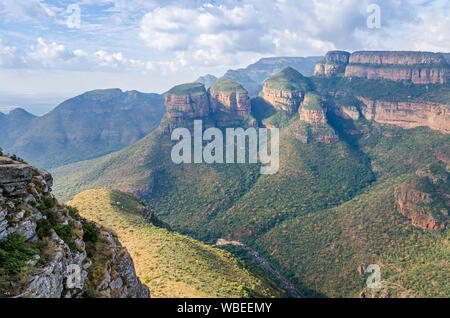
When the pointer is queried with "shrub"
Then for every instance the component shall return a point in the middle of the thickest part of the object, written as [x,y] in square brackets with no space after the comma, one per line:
[90,233]
[14,252]
[43,228]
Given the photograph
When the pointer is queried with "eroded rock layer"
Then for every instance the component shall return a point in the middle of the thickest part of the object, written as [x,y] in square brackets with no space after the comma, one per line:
[408,115]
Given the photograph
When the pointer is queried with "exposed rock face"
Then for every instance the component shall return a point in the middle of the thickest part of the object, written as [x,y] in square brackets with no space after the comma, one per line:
[347,112]
[286,100]
[312,111]
[25,206]
[424,75]
[186,107]
[408,115]
[426,206]
[233,101]
[285,90]
[416,67]
[333,63]
[227,99]
[313,125]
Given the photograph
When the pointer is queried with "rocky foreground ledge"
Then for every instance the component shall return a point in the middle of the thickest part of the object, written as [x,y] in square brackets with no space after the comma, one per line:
[48,251]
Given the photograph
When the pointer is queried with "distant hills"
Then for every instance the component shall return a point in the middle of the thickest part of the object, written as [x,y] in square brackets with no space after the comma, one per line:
[87,126]
[253,76]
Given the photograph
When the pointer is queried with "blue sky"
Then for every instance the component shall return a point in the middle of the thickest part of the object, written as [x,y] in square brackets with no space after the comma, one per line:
[152,45]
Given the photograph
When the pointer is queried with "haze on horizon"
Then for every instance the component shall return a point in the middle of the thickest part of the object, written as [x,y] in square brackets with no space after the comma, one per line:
[47,55]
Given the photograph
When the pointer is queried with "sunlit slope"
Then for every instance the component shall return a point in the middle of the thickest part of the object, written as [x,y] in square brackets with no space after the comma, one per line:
[170,264]
[321,251]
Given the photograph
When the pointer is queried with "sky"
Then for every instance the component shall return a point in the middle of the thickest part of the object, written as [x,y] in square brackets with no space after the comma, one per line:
[51,50]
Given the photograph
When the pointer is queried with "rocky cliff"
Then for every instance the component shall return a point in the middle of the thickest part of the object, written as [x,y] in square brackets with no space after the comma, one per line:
[229,97]
[408,114]
[416,67]
[313,124]
[48,251]
[187,101]
[285,90]
[425,198]
[333,63]
[225,104]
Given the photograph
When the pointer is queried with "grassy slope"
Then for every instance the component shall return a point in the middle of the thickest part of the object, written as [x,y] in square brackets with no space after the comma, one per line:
[225,85]
[188,89]
[172,265]
[289,80]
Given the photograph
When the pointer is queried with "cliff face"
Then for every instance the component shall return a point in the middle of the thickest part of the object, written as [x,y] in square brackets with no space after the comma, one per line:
[55,252]
[313,125]
[229,97]
[425,199]
[285,90]
[288,101]
[188,106]
[416,75]
[333,63]
[416,67]
[225,104]
[408,115]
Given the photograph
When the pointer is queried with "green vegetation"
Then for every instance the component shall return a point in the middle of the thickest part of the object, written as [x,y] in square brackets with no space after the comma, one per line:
[227,86]
[382,90]
[172,265]
[289,80]
[330,208]
[14,272]
[312,102]
[84,127]
[188,89]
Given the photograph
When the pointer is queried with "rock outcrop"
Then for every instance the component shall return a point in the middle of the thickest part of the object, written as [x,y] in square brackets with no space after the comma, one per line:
[408,114]
[416,67]
[70,256]
[334,63]
[229,97]
[285,90]
[225,104]
[425,198]
[187,101]
[313,124]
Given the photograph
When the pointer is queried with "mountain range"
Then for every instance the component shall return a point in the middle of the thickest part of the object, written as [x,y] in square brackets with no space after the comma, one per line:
[86,126]
[363,177]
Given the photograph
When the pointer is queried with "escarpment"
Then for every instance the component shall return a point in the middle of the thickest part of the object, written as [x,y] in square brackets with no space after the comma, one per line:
[408,114]
[424,199]
[415,67]
[285,90]
[49,251]
[334,63]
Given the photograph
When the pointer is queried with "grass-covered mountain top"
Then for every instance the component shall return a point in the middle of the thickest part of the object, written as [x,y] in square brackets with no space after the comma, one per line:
[227,86]
[188,89]
[288,79]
